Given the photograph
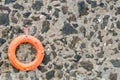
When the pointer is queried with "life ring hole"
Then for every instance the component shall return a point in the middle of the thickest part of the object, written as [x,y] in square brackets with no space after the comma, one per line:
[25,53]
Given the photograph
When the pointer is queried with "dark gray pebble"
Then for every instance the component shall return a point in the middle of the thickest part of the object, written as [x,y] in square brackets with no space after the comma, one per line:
[88,1]
[100,54]
[33,30]
[56,13]
[87,65]
[2,41]
[75,25]
[64,9]
[1,63]
[8,76]
[9,1]
[83,45]
[68,29]
[45,26]
[4,19]
[83,30]
[57,66]
[60,74]
[63,1]
[119,46]
[77,58]
[83,9]
[27,22]
[74,42]
[113,76]
[14,20]
[101,4]
[72,17]
[115,62]
[37,5]
[48,17]
[118,24]
[42,68]
[93,4]
[105,21]
[35,18]
[18,6]
[26,14]
[63,40]
[46,59]
[117,11]
[99,36]
[50,74]
[40,37]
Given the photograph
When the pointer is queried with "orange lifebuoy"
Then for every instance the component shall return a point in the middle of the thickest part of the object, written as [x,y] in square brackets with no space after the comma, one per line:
[12,52]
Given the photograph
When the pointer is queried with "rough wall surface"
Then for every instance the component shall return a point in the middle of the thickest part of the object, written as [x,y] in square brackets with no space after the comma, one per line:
[81,38]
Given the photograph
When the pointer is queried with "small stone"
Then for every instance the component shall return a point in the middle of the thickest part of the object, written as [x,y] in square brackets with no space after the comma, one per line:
[83,9]
[118,24]
[75,25]
[101,4]
[63,40]
[0,54]
[88,1]
[87,65]
[50,74]
[105,21]
[35,18]
[1,63]
[99,36]
[74,42]
[42,68]
[58,66]
[93,4]
[15,70]
[4,19]
[49,8]
[119,46]
[14,20]
[45,26]
[26,14]
[18,6]
[56,13]
[2,41]
[77,58]
[37,5]
[83,45]
[64,9]
[115,62]
[89,55]
[21,77]
[113,76]
[9,1]
[117,11]
[68,29]
[33,30]
[40,37]
[83,30]
[53,47]
[72,17]
[100,54]
[60,74]
[63,1]
[110,41]
[46,59]
[47,16]
[8,77]
[27,22]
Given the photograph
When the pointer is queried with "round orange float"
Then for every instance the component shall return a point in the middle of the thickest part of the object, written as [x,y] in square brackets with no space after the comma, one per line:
[12,52]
